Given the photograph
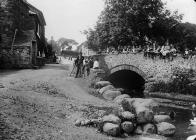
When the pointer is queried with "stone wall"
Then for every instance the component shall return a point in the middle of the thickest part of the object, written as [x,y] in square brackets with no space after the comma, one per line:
[152,68]
[14,14]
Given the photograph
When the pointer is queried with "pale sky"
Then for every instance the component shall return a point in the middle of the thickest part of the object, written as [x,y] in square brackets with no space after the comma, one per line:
[67,18]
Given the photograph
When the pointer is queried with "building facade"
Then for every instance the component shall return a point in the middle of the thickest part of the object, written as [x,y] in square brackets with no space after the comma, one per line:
[22,34]
[85,50]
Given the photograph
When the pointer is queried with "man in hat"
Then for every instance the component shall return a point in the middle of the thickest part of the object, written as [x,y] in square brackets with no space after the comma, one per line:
[79,64]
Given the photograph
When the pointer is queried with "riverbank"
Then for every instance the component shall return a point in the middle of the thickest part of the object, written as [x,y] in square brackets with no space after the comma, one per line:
[172,99]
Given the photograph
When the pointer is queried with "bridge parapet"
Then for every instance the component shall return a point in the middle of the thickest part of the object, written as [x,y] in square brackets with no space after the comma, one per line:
[151,68]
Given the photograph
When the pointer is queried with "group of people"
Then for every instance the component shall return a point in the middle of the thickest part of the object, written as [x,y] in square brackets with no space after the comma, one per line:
[121,50]
[84,64]
[165,52]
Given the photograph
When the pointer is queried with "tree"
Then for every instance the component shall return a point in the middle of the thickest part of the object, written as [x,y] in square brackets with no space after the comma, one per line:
[126,22]
[65,43]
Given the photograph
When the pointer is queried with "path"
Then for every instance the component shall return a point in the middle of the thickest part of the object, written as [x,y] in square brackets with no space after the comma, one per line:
[43,105]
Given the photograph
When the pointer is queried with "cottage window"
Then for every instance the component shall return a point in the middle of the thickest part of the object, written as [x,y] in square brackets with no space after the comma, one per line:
[38,30]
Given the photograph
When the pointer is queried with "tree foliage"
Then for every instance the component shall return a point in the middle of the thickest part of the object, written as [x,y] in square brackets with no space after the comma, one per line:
[59,45]
[130,22]
[65,43]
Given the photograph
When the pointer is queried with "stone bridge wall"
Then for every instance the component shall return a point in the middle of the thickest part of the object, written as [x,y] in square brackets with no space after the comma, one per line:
[152,68]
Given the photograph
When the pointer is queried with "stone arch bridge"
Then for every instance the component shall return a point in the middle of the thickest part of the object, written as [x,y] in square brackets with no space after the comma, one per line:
[132,71]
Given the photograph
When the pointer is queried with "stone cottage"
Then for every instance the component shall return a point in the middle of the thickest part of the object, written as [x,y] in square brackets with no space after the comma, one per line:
[22,34]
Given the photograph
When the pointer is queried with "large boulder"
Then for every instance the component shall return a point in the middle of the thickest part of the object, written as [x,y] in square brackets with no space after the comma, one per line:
[120,98]
[104,89]
[144,115]
[142,107]
[111,129]
[101,84]
[149,129]
[162,118]
[127,127]
[129,103]
[148,103]
[111,119]
[111,94]
[127,116]
[166,129]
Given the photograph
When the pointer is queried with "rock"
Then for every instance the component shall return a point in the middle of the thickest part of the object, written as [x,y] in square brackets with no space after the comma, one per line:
[104,89]
[162,118]
[142,107]
[129,103]
[144,115]
[120,98]
[138,130]
[127,127]
[119,89]
[149,129]
[101,84]
[111,94]
[193,137]
[78,122]
[87,122]
[96,121]
[111,119]
[111,129]
[83,123]
[101,113]
[127,116]
[148,103]
[166,129]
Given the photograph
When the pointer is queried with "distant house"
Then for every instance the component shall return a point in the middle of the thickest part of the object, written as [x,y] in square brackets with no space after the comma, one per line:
[22,34]
[85,50]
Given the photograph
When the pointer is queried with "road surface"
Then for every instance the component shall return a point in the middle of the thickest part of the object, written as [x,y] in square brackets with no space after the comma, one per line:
[43,104]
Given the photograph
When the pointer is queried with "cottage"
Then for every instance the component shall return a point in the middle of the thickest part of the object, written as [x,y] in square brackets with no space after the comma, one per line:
[22,34]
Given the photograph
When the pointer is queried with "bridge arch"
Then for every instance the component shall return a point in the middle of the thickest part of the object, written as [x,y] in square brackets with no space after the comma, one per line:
[128,77]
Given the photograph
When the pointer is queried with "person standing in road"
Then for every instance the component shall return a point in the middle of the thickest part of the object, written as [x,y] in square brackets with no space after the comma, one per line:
[193,110]
[96,64]
[79,64]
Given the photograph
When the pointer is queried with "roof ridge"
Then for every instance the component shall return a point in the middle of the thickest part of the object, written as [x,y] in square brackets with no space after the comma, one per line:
[37,11]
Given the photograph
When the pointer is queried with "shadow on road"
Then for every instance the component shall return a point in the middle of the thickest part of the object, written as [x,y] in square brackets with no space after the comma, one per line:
[8,72]
[56,66]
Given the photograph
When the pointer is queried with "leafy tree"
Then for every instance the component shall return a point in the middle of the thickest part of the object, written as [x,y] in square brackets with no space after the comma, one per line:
[64,43]
[126,22]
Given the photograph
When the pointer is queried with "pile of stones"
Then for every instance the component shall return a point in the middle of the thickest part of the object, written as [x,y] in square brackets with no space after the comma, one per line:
[135,115]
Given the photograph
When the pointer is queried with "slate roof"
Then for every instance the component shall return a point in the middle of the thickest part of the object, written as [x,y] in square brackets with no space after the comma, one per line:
[24,38]
[37,11]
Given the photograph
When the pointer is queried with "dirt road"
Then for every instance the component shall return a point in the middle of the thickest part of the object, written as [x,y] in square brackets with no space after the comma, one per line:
[43,105]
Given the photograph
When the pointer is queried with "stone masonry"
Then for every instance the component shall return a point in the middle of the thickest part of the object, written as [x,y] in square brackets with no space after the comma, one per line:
[151,68]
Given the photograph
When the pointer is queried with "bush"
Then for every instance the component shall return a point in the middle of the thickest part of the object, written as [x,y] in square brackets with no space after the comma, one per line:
[178,83]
